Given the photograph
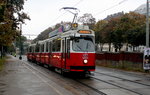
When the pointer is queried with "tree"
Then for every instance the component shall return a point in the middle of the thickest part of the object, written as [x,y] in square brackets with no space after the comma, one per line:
[17,42]
[109,29]
[2,8]
[9,22]
[124,29]
[100,35]
[117,40]
[43,35]
[20,45]
[131,25]
[87,19]
[105,32]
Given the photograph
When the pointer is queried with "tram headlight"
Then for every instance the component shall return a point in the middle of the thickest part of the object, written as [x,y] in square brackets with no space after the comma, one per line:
[85,61]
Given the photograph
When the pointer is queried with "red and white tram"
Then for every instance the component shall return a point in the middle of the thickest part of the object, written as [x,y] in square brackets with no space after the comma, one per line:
[68,50]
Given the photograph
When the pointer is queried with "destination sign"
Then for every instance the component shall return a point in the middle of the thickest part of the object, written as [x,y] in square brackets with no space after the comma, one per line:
[84,32]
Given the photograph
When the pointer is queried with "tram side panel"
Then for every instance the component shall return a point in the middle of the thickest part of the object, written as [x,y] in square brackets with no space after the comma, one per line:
[47,53]
[47,58]
[55,57]
[33,57]
[30,54]
[55,60]
[42,56]
[38,57]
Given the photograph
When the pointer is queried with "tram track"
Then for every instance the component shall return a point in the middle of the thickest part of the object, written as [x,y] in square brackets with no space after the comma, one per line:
[76,80]
[94,89]
[124,79]
[117,86]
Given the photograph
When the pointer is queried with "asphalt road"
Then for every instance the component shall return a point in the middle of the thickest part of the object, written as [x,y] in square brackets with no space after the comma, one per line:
[20,77]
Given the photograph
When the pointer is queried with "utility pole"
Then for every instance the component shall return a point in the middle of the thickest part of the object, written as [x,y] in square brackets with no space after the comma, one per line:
[20,57]
[1,46]
[147,25]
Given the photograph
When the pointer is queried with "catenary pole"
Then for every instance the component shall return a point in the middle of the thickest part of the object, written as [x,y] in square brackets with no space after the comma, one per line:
[20,57]
[147,25]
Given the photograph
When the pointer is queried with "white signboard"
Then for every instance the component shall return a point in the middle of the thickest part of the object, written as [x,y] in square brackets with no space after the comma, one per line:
[146,59]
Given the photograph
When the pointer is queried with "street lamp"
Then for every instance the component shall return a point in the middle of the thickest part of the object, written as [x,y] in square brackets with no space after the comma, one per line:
[20,57]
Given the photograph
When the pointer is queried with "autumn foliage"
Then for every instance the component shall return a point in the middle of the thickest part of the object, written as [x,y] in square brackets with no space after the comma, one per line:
[127,29]
[11,15]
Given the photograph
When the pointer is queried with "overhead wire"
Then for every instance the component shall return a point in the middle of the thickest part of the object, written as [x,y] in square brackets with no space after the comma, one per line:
[121,2]
[78,3]
[111,7]
[65,11]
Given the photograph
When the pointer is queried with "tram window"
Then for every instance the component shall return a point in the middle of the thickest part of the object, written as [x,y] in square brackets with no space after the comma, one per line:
[37,48]
[68,48]
[30,49]
[27,49]
[33,49]
[56,46]
[42,48]
[68,45]
[50,47]
[53,46]
[63,48]
[83,44]
[46,46]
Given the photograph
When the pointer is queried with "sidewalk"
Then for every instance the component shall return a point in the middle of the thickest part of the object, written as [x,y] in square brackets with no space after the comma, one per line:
[17,79]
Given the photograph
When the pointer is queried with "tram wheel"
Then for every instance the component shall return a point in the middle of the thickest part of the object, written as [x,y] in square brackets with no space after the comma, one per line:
[63,73]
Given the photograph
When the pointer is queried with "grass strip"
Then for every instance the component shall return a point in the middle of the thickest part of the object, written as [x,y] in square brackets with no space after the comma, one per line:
[2,60]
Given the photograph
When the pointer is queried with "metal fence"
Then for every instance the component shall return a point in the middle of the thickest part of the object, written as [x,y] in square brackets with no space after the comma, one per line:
[123,60]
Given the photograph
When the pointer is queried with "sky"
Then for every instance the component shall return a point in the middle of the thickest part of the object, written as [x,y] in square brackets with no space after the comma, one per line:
[47,13]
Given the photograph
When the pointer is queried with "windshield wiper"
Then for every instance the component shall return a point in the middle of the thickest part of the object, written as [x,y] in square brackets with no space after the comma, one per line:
[79,47]
[87,46]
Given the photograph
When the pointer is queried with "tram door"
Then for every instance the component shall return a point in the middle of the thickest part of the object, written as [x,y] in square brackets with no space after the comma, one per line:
[65,52]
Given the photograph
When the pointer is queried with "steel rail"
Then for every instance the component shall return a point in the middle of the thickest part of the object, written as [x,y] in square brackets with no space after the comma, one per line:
[117,85]
[124,79]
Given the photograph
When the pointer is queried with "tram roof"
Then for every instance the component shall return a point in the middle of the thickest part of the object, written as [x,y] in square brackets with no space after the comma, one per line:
[71,31]
[32,44]
[67,32]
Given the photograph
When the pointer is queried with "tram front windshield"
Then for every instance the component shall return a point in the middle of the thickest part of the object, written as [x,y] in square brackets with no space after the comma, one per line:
[83,44]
